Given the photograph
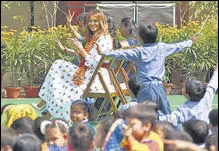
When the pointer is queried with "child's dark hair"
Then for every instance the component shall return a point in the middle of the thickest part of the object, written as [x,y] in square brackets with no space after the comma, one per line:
[211,140]
[36,128]
[197,129]
[27,142]
[128,22]
[106,124]
[80,136]
[148,33]
[142,111]
[213,117]
[86,105]
[134,86]
[165,126]
[23,125]
[195,89]
[176,135]
[8,136]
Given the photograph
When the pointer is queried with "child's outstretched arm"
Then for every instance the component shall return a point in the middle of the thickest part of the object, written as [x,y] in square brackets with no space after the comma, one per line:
[177,47]
[124,54]
[211,89]
[183,145]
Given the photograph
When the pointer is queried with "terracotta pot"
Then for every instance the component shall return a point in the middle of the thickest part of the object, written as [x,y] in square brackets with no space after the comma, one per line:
[13,92]
[182,87]
[168,87]
[31,92]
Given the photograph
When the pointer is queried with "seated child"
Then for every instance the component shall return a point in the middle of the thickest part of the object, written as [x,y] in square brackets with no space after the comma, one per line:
[198,104]
[213,120]
[81,111]
[8,136]
[140,119]
[197,129]
[81,138]
[56,134]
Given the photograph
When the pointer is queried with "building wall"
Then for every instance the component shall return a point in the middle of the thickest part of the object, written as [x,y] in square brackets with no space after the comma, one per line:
[24,11]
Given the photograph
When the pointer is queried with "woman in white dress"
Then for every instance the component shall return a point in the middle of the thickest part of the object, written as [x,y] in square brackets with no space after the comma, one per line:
[66,82]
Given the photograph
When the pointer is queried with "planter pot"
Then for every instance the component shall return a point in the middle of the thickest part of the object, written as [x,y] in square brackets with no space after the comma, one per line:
[13,92]
[182,87]
[168,87]
[31,92]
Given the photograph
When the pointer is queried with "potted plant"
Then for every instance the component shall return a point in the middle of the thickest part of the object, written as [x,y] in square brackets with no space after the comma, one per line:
[34,45]
[166,83]
[11,55]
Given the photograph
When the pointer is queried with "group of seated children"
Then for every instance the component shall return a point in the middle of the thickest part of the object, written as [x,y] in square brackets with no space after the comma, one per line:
[135,127]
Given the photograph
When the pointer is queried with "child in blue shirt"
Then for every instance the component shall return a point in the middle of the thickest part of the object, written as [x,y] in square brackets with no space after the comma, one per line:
[198,104]
[150,64]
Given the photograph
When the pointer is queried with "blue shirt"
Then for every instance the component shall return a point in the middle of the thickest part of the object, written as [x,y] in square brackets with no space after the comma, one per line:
[194,109]
[149,59]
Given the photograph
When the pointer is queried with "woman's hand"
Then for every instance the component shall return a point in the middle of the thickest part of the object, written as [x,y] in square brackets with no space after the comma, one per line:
[69,17]
[98,49]
[64,48]
[79,46]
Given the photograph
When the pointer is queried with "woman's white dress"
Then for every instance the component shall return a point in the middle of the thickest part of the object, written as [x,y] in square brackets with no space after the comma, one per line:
[58,89]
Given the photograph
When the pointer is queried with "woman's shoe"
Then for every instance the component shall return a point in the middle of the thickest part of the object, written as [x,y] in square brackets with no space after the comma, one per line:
[38,108]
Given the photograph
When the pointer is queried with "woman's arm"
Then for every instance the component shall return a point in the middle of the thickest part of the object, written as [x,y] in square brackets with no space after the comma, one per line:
[64,48]
[80,47]
[69,19]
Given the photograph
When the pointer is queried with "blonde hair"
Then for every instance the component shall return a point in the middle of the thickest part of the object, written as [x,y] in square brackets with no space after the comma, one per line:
[102,22]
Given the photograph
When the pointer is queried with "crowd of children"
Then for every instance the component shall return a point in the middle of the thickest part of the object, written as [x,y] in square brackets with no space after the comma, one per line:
[146,123]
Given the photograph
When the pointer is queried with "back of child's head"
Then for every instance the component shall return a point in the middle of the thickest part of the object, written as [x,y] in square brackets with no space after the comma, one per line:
[80,137]
[122,108]
[197,129]
[213,117]
[86,107]
[195,89]
[23,125]
[162,128]
[176,135]
[143,111]
[8,136]
[36,128]
[148,33]
[212,142]
[27,142]
[134,86]
[130,24]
